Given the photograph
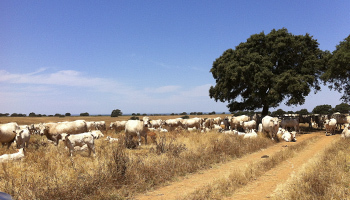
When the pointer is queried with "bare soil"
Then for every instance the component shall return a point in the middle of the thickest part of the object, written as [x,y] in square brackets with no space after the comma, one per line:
[261,188]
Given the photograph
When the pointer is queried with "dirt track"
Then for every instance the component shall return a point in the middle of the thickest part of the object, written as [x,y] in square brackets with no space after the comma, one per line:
[262,188]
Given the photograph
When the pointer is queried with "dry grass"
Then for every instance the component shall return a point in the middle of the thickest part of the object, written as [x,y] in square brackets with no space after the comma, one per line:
[47,172]
[242,177]
[326,178]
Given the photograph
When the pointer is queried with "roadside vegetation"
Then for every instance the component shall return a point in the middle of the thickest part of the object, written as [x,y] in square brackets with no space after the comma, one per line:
[241,177]
[325,178]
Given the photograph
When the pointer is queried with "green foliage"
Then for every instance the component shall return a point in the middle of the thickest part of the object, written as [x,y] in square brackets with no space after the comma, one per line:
[185,117]
[278,112]
[338,71]
[134,118]
[323,109]
[266,70]
[302,112]
[84,114]
[342,108]
[116,113]
[67,114]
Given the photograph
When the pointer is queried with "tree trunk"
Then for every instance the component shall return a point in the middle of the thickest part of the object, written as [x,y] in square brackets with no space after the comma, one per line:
[265,111]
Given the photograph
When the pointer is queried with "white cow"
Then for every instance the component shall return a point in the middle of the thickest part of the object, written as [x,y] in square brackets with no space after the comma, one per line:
[270,126]
[252,134]
[100,125]
[13,156]
[194,122]
[22,138]
[157,123]
[137,128]
[79,140]
[330,125]
[173,123]
[111,140]
[346,131]
[249,125]
[96,134]
[217,127]
[7,134]
[290,123]
[217,120]
[117,126]
[53,130]
[237,122]
[289,136]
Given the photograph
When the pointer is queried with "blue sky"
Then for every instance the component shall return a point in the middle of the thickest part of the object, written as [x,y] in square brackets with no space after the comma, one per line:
[141,56]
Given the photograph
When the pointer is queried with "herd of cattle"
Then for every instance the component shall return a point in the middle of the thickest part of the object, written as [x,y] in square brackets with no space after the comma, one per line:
[81,134]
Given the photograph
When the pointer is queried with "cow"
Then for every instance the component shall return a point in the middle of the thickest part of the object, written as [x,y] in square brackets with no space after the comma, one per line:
[22,137]
[289,136]
[252,134]
[330,126]
[171,124]
[117,126]
[341,119]
[7,133]
[13,156]
[208,123]
[79,140]
[346,132]
[111,140]
[137,128]
[217,120]
[270,126]
[194,122]
[90,125]
[53,130]
[290,123]
[100,125]
[96,134]
[218,128]
[156,123]
[237,122]
[249,125]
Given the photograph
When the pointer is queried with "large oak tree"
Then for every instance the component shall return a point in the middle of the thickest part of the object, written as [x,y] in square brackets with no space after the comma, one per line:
[338,69]
[266,70]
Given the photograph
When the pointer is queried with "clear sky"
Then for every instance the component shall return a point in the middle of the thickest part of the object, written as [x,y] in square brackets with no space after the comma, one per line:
[141,56]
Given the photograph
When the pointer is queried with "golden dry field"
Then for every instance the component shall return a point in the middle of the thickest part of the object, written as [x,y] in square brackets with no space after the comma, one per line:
[48,172]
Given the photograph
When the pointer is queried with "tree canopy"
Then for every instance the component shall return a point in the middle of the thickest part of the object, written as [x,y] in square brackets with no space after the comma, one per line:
[266,70]
[323,109]
[338,69]
[116,113]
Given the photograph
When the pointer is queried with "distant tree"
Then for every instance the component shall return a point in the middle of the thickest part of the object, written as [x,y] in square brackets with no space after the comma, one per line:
[185,117]
[4,114]
[172,114]
[84,114]
[266,70]
[323,109]
[302,112]
[144,114]
[342,108]
[134,118]
[338,70]
[58,115]
[183,113]
[116,113]
[67,114]
[32,114]
[278,112]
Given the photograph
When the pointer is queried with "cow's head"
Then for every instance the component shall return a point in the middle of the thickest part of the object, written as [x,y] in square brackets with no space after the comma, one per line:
[63,136]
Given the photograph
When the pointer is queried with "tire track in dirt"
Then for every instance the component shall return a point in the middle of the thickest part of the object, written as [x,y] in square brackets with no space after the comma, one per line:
[193,182]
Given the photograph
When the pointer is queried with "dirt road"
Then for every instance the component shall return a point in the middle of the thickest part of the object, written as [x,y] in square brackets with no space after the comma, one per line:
[263,187]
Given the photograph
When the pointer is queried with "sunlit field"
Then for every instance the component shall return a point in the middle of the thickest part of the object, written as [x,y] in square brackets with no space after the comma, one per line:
[48,172]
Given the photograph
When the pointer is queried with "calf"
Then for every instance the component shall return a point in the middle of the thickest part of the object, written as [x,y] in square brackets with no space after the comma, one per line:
[96,134]
[289,136]
[111,140]
[22,138]
[330,125]
[249,125]
[13,156]
[79,140]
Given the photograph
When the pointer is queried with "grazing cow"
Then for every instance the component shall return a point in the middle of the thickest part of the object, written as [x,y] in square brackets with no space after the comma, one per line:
[13,156]
[156,123]
[96,134]
[341,119]
[191,123]
[252,134]
[289,136]
[237,122]
[270,126]
[217,120]
[117,126]
[249,125]
[137,128]
[173,123]
[346,131]
[79,140]
[330,125]
[100,125]
[53,130]
[22,138]
[111,140]
[290,123]
[218,128]
[208,123]
[7,133]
